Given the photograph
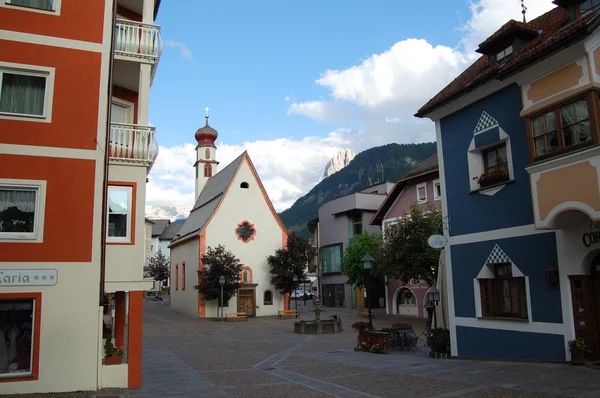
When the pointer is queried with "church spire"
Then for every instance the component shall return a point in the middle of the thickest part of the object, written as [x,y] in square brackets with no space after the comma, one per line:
[206,164]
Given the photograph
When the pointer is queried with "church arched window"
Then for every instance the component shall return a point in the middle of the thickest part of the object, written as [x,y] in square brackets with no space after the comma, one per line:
[244,185]
[207,153]
[207,170]
[268,299]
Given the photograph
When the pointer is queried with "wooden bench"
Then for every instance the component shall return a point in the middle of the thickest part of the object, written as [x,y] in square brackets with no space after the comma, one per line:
[236,316]
[365,312]
[288,313]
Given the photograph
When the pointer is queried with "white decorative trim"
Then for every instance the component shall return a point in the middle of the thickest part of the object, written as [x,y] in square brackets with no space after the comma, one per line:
[31,70]
[422,185]
[128,237]
[435,195]
[39,213]
[509,325]
[50,41]
[491,191]
[566,160]
[67,153]
[56,4]
[496,234]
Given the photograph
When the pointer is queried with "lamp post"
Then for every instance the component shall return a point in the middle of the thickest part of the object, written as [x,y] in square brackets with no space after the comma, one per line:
[367,265]
[433,296]
[295,292]
[222,283]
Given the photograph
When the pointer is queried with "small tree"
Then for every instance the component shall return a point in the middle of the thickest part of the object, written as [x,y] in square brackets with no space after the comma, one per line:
[289,262]
[406,255]
[217,262]
[361,245]
[159,267]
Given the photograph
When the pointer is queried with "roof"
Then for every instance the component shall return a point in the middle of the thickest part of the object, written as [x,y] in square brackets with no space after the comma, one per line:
[555,33]
[171,231]
[428,166]
[209,199]
[159,226]
[149,220]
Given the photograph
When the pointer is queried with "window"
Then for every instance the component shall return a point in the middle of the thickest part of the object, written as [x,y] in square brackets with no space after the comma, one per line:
[207,153]
[588,5]
[437,190]
[19,335]
[504,53]
[207,170]
[21,209]
[244,185]
[495,165]
[268,298]
[119,214]
[406,297]
[422,193]
[331,258]
[23,93]
[245,231]
[563,128]
[177,277]
[45,5]
[355,225]
[504,295]
[183,276]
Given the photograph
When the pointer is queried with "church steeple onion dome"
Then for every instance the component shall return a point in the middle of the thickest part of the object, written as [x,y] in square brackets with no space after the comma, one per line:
[206,136]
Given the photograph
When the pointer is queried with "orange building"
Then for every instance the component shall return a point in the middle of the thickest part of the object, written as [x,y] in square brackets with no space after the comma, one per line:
[75,150]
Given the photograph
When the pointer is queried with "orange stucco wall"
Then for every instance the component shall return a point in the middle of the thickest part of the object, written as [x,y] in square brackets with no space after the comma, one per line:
[78,20]
[75,100]
[69,208]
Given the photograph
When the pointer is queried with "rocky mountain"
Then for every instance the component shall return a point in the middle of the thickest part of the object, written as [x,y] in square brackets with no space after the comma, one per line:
[171,212]
[362,171]
[338,162]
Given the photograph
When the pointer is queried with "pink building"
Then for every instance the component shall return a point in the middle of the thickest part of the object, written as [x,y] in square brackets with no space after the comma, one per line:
[422,185]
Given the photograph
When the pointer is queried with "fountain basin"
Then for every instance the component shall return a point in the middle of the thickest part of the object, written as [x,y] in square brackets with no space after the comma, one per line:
[318,327]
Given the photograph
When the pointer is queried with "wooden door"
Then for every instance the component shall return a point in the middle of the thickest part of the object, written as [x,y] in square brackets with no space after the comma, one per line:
[585,311]
[246,302]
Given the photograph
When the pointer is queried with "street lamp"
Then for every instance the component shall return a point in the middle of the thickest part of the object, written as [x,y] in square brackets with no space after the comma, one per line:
[222,283]
[367,265]
[433,296]
[295,292]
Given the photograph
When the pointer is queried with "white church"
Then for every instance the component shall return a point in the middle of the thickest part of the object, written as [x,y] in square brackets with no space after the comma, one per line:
[232,209]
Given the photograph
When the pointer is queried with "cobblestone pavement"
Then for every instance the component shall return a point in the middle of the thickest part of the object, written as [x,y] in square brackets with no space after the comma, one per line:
[263,358]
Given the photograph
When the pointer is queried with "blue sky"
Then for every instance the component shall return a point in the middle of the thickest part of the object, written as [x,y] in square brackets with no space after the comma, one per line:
[295,82]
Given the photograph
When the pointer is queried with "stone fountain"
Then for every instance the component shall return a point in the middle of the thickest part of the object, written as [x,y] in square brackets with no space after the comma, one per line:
[318,326]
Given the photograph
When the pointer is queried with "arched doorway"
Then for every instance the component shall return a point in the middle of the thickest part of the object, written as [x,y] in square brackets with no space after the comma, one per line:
[406,302]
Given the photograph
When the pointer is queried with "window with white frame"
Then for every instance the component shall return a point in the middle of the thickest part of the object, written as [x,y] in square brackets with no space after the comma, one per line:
[422,193]
[45,5]
[21,208]
[504,53]
[24,92]
[437,190]
[119,213]
[17,317]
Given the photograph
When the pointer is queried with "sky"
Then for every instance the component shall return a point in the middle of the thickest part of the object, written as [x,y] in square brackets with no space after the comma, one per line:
[295,82]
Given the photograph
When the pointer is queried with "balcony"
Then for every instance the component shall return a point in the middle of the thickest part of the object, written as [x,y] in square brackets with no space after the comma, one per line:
[132,143]
[139,41]
[566,184]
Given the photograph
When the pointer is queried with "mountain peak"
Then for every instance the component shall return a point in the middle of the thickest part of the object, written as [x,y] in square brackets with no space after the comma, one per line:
[338,162]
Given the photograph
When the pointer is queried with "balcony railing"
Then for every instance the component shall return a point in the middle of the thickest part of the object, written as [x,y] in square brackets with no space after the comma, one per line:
[138,40]
[133,143]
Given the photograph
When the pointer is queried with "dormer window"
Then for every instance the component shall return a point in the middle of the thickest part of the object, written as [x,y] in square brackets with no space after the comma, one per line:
[506,53]
[588,5]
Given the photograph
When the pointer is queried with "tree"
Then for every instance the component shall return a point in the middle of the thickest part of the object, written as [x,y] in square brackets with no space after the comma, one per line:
[159,267]
[217,262]
[361,245]
[406,255]
[289,262]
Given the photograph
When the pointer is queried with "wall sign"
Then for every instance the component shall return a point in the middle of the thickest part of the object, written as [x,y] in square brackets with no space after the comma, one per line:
[437,241]
[28,277]
[592,237]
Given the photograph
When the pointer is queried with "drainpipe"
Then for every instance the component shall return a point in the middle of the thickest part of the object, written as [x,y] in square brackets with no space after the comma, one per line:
[106,157]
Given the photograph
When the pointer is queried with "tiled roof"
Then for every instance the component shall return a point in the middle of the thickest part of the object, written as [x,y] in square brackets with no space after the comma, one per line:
[429,164]
[556,31]
[209,199]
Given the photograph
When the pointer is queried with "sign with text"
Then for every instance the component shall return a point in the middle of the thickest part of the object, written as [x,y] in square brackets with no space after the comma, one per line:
[28,277]
[592,237]
[437,241]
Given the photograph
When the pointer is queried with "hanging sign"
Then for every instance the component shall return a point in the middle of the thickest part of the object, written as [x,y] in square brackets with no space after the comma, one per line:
[437,241]
[28,277]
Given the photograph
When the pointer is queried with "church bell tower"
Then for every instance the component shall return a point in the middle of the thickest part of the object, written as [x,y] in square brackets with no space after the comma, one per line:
[206,152]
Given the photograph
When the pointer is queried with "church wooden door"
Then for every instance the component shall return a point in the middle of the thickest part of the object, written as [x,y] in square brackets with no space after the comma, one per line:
[246,301]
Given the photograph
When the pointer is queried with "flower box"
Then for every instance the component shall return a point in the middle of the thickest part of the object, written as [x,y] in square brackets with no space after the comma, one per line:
[491,178]
[113,360]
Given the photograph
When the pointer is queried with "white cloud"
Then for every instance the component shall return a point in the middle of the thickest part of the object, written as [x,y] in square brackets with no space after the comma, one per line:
[185,51]
[373,102]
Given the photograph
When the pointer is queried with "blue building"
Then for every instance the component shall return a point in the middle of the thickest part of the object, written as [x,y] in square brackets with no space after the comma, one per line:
[518,137]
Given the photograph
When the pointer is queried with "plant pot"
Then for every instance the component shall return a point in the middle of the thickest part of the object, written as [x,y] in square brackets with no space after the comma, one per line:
[577,356]
[113,360]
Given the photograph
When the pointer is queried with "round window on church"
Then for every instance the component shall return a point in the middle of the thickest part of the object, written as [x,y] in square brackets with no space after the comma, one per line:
[207,153]
[245,231]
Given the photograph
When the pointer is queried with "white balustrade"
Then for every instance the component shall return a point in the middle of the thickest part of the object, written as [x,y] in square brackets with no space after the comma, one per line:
[138,39]
[132,142]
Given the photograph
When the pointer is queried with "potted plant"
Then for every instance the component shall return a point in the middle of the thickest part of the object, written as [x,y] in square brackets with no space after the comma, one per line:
[113,355]
[377,347]
[439,341]
[365,345]
[491,178]
[578,349]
